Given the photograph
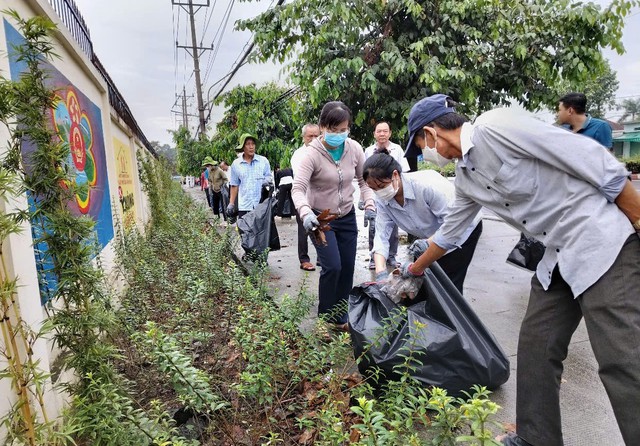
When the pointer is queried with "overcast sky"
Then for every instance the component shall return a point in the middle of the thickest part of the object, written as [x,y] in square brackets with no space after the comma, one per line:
[135,40]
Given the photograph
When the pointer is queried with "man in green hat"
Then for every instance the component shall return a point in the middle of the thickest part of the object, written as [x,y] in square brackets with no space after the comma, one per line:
[249,174]
[217,179]
[204,178]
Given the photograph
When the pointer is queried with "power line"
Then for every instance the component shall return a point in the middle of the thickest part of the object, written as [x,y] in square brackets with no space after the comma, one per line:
[220,33]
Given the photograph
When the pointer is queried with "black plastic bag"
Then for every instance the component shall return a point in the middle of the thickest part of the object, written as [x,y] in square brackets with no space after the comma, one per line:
[258,229]
[527,253]
[455,348]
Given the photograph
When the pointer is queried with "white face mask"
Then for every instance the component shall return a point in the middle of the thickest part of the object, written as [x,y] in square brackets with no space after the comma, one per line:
[386,193]
[431,155]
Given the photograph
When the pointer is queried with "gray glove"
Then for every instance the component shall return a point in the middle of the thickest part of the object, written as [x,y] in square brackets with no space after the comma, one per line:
[310,222]
[231,210]
[369,217]
[382,276]
[406,273]
[418,248]
[361,205]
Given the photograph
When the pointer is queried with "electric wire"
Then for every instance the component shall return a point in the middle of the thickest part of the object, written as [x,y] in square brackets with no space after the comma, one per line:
[220,35]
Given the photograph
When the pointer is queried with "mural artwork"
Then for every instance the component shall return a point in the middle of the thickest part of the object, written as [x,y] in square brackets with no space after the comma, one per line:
[125,182]
[78,122]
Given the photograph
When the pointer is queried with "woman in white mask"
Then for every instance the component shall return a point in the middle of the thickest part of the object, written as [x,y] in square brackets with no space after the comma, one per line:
[416,202]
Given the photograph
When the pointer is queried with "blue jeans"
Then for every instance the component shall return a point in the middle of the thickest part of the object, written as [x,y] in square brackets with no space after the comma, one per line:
[338,260]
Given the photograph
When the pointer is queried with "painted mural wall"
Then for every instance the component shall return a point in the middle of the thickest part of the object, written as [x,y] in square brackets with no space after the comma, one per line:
[103,160]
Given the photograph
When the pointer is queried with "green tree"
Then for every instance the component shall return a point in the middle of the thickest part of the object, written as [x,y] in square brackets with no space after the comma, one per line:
[380,56]
[189,153]
[167,152]
[269,112]
[600,91]
[630,108]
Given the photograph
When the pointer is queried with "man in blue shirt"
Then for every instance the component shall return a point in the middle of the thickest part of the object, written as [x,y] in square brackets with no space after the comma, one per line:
[249,174]
[572,116]
[570,193]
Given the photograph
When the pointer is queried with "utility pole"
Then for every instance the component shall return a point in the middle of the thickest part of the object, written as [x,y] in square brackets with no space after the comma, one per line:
[192,9]
[184,111]
[185,120]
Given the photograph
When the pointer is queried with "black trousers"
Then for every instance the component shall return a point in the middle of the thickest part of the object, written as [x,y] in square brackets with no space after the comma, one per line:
[338,260]
[303,241]
[216,204]
[207,192]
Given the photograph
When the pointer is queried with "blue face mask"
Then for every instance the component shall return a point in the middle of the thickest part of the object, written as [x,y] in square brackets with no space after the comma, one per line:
[335,139]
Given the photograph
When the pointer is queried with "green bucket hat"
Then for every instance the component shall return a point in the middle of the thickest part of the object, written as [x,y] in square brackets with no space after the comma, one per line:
[243,139]
[208,160]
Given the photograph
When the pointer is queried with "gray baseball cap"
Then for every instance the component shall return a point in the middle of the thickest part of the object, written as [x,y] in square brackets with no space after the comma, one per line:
[422,113]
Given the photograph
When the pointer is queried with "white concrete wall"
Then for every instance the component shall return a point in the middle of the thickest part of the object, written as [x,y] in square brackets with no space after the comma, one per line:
[17,249]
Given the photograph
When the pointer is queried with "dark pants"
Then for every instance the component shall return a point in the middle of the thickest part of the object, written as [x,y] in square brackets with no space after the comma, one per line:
[303,245]
[207,192]
[338,260]
[216,204]
[611,310]
[456,263]
[393,240]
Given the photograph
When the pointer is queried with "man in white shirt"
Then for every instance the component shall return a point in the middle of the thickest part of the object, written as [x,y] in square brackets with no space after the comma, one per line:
[382,135]
[309,133]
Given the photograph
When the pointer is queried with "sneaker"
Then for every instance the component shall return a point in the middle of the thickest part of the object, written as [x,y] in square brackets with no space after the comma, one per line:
[393,263]
[372,264]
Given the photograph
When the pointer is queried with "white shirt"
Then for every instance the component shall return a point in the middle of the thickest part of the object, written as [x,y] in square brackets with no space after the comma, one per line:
[427,196]
[297,158]
[553,185]
[394,150]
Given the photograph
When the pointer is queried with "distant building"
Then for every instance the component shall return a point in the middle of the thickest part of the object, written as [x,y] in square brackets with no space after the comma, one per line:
[626,143]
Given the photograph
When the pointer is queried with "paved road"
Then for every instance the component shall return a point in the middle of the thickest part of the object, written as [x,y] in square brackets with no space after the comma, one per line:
[498,292]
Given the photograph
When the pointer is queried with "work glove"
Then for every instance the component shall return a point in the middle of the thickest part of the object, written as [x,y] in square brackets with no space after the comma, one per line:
[231,210]
[369,217]
[418,248]
[310,222]
[361,205]
[382,276]
[406,273]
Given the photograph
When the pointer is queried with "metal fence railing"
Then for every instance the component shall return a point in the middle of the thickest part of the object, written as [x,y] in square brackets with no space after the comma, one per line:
[68,12]
[70,15]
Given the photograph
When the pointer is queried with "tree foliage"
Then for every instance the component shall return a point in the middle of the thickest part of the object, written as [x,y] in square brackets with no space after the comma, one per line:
[189,152]
[269,112]
[630,110]
[600,91]
[380,56]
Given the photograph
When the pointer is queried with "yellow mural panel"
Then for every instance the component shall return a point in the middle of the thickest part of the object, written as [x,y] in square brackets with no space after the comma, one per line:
[124,166]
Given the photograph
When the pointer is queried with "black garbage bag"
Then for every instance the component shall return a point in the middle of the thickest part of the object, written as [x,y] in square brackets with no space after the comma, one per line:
[455,348]
[258,229]
[527,253]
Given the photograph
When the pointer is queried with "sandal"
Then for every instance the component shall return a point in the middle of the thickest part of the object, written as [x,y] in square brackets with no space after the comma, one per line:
[307,266]
[511,439]
[341,327]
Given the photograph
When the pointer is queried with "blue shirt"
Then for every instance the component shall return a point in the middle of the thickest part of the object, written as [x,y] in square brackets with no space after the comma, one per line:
[597,129]
[427,196]
[553,185]
[249,178]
